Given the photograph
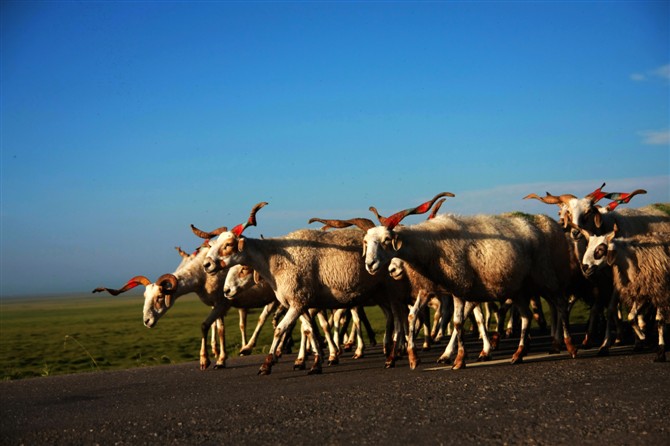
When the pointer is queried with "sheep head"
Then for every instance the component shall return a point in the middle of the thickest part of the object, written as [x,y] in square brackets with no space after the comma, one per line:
[397,269]
[227,244]
[239,279]
[580,211]
[600,250]
[158,296]
[383,239]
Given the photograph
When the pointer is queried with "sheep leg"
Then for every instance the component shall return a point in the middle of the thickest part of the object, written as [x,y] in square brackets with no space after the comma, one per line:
[436,319]
[337,326]
[661,320]
[411,318]
[633,320]
[366,323]
[562,313]
[311,333]
[213,342]
[243,325]
[612,312]
[299,363]
[425,317]
[400,317]
[521,350]
[334,352]
[459,316]
[289,318]
[485,354]
[360,344]
[248,346]
[217,312]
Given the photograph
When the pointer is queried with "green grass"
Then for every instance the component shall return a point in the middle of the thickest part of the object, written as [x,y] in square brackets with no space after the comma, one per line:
[57,335]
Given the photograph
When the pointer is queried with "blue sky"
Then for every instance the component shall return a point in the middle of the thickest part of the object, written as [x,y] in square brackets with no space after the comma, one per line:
[124,122]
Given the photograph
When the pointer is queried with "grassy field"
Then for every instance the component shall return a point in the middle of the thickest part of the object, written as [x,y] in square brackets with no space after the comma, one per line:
[71,334]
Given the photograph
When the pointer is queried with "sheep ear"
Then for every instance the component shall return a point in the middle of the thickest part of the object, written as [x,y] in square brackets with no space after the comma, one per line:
[365,247]
[597,218]
[168,300]
[257,277]
[611,254]
[240,244]
[396,242]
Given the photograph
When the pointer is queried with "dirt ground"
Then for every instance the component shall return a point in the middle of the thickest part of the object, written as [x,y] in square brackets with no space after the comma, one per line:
[547,400]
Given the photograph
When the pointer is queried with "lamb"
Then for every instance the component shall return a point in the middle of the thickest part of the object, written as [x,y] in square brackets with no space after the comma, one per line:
[480,258]
[641,271]
[306,269]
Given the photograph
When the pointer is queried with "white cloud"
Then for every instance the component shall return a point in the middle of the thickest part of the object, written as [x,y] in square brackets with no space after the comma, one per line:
[662,72]
[653,137]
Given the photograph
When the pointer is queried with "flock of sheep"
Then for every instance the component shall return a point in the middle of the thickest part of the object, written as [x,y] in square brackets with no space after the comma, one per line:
[457,264]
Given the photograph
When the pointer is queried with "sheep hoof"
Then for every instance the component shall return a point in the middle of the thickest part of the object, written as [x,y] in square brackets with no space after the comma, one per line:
[333,360]
[357,355]
[603,351]
[316,370]
[219,366]
[458,365]
[347,347]
[483,357]
[299,364]
[204,364]
[443,360]
[245,352]
[660,354]
[389,364]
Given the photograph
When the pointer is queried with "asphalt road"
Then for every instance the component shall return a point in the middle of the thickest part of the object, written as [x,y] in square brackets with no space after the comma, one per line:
[547,400]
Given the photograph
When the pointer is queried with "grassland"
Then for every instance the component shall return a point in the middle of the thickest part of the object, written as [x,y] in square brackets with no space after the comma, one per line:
[71,334]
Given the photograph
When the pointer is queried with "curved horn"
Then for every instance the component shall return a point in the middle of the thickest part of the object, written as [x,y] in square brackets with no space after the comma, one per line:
[437,207]
[362,223]
[208,235]
[168,284]
[551,199]
[597,194]
[392,221]
[237,230]
[621,197]
[181,252]
[132,283]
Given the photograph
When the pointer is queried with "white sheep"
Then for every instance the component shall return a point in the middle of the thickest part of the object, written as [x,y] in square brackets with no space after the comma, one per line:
[243,282]
[480,258]
[307,269]
[641,270]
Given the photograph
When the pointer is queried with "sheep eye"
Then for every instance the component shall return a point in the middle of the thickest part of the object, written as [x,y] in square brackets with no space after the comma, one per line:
[600,252]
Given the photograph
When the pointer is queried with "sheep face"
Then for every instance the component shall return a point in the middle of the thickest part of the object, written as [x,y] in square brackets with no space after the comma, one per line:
[397,269]
[239,278]
[600,252]
[581,212]
[154,305]
[379,245]
[220,251]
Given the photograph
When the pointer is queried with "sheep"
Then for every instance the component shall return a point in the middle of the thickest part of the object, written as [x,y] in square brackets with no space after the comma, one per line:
[641,271]
[306,269]
[160,296]
[583,213]
[189,277]
[244,281]
[480,258]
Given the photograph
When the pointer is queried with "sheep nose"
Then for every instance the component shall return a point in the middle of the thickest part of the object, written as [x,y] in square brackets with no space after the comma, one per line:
[371,267]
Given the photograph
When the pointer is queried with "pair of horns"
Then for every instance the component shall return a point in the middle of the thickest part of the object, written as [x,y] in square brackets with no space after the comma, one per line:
[594,196]
[237,230]
[390,222]
[167,282]
[395,219]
